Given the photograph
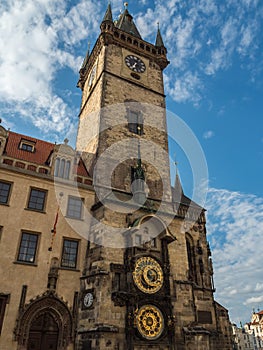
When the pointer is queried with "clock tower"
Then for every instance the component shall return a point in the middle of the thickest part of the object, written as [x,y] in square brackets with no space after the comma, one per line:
[147,282]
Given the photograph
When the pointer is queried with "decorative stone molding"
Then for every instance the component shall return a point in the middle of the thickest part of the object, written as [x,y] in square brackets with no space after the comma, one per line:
[51,304]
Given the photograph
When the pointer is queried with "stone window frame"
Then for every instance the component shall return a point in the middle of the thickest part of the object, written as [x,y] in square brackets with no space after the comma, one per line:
[135,122]
[74,211]
[62,168]
[4,300]
[66,262]
[8,194]
[39,202]
[30,248]
[27,145]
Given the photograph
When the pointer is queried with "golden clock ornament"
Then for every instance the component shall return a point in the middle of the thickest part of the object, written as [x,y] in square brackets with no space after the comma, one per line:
[148,275]
[150,322]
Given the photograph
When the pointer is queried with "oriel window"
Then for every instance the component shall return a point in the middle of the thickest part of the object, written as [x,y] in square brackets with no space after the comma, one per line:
[62,168]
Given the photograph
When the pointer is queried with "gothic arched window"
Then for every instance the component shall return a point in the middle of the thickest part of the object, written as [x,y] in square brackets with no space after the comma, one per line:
[62,168]
[191,259]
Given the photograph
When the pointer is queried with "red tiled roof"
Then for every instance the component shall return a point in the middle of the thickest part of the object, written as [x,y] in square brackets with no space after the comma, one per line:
[42,151]
[40,154]
[82,171]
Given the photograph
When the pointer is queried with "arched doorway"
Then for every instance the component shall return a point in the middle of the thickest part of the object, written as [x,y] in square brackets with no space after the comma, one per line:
[45,323]
[43,333]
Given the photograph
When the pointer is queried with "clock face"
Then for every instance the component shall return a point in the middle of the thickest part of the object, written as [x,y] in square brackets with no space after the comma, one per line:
[148,275]
[88,300]
[150,322]
[135,64]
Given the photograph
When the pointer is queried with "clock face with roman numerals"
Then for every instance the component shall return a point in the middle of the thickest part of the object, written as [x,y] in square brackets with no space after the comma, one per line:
[135,64]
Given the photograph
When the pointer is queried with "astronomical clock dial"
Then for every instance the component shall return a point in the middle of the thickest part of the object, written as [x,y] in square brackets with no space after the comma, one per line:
[135,64]
[88,300]
[148,275]
[150,322]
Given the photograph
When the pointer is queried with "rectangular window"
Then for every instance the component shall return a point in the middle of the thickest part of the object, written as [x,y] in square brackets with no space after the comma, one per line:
[74,209]
[204,317]
[4,192]
[154,242]
[69,253]
[27,145]
[3,301]
[138,240]
[37,199]
[135,123]
[28,247]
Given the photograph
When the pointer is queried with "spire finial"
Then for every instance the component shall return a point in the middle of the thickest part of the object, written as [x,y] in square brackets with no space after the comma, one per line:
[126,5]
[158,25]
[176,164]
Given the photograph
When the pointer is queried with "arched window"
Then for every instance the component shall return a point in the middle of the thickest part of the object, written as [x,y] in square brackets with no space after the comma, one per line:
[62,168]
[191,259]
[135,122]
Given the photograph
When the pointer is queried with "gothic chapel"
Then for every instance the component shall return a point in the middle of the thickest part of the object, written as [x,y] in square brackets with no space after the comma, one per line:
[97,250]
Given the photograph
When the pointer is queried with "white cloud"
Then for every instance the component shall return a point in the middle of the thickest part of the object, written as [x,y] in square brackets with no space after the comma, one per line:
[184,88]
[235,229]
[208,134]
[36,40]
[204,38]
[254,300]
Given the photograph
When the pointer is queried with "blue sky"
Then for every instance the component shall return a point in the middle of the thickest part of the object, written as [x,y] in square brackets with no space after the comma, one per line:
[214,83]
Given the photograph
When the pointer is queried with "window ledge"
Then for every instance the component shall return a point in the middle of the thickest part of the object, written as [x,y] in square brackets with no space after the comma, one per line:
[35,210]
[5,204]
[70,217]
[69,269]
[25,263]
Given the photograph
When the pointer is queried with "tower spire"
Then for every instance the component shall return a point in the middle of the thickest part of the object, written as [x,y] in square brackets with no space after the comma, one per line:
[108,14]
[159,39]
[125,23]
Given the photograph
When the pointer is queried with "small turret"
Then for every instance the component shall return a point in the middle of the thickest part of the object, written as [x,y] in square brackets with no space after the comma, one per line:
[83,68]
[159,39]
[108,14]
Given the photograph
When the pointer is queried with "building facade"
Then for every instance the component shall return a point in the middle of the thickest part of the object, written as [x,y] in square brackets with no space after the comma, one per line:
[255,329]
[98,250]
[242,339]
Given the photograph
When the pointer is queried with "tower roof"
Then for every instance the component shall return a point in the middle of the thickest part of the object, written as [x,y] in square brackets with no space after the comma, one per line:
[108,14]
[125,23]
[159,39]
[178,186]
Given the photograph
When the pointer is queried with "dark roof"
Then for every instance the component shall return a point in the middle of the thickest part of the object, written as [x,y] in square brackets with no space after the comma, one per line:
[179,197]
[108,14]
[159,39]
[125,23]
